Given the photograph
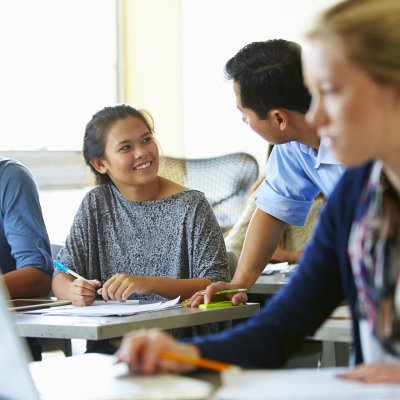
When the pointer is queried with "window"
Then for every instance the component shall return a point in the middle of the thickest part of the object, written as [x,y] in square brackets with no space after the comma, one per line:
[59,66]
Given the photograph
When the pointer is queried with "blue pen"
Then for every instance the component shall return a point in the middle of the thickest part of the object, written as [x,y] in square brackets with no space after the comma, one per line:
[65,269]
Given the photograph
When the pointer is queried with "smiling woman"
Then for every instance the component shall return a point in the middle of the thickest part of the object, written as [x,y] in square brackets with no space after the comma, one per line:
[119,147]
[136,233]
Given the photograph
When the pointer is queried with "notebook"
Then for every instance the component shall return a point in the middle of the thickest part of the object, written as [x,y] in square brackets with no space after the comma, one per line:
[89,376]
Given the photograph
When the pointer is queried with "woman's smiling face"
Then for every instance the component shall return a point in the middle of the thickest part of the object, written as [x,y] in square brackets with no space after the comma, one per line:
[131,156]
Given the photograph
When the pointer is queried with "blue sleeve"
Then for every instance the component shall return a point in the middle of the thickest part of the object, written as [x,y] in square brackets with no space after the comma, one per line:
[269,338]
[287,192]
[23,226]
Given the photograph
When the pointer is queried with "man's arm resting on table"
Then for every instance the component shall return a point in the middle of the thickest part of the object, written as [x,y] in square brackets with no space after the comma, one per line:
[27,282]
[262,239]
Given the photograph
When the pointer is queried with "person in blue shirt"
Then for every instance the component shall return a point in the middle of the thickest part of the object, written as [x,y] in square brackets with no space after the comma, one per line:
[270,94]
[25,256]
[355,252]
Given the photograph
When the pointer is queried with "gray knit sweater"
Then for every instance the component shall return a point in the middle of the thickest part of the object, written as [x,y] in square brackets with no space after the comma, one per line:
[175,237]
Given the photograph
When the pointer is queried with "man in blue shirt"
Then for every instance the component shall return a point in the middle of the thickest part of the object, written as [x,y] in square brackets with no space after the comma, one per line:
[270,94]
[25,256]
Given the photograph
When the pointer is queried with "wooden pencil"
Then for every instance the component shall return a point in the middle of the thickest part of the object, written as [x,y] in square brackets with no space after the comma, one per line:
[198,362]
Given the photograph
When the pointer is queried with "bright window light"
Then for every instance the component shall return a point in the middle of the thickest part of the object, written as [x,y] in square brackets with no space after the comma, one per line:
[58,68]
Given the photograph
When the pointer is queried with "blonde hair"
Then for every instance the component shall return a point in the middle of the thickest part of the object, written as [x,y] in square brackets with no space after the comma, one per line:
[368,34]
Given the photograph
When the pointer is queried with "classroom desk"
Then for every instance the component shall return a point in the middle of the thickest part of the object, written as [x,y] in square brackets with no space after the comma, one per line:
[97,328]
[269,284]
[335,331]
[96,376]
[335,335]
[331,330]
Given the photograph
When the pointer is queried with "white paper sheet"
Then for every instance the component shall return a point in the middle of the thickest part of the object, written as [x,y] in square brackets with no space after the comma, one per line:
[104,309]
[282,267]
[300,384]
[95,377]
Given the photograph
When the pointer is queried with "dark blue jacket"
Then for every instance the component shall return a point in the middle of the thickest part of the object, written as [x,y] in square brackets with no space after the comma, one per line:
[323,279]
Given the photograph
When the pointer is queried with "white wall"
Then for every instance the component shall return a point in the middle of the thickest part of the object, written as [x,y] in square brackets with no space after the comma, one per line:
[153,66]
[213,31]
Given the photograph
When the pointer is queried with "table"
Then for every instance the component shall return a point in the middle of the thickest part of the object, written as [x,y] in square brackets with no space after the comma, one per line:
[335,335]
[335,331]
[98,328]
[269,284]
[332,330]
[96,376]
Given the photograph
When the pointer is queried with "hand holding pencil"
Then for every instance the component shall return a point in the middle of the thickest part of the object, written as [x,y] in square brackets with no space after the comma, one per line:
[152,351]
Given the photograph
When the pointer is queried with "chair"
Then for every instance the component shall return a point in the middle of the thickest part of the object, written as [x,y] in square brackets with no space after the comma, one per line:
[225,180]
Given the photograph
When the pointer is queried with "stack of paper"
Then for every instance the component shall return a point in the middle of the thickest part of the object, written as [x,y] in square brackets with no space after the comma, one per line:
[104,309]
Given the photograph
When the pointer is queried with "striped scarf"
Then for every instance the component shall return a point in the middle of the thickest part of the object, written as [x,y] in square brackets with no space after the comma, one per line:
[374,251]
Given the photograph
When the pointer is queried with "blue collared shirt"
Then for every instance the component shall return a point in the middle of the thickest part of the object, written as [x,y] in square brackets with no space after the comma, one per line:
[295,174]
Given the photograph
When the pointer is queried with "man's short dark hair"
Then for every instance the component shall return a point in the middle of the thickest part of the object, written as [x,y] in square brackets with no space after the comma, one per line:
[269,75]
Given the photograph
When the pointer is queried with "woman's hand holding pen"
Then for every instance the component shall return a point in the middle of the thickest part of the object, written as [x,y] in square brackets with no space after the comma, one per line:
[83,292]
[143,352]
[120,286]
